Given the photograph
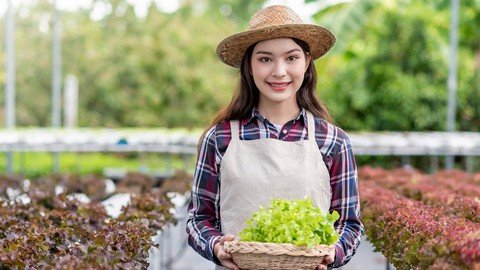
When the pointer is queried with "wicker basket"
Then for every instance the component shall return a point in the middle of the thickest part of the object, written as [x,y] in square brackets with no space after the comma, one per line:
[269,256]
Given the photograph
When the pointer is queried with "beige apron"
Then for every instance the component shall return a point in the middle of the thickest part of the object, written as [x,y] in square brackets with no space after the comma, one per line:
[255,171]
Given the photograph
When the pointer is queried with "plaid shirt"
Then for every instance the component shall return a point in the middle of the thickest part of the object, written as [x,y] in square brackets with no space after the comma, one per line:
[203,225]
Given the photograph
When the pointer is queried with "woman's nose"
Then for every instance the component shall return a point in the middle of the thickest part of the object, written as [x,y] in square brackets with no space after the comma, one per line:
[279,70]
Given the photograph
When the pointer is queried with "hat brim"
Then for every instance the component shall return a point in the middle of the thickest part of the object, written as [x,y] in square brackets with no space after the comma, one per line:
[232,49]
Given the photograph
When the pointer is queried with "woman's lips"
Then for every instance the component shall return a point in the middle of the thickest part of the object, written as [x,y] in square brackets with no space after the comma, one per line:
[279,86]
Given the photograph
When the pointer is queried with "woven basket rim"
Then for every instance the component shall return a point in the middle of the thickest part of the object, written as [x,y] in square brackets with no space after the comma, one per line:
[246,247]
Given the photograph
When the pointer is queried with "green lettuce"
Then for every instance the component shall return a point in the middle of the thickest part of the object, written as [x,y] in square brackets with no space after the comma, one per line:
[297,222]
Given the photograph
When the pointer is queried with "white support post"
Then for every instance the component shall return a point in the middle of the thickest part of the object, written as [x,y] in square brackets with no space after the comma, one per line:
[452,75]
[10,82]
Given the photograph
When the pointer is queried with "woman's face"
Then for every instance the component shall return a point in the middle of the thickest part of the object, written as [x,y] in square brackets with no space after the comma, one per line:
[278,68]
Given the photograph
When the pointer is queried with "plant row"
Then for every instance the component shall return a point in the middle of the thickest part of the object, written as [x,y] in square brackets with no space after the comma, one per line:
[456,181]
[451,195]
[95,186]
[459,181]
[53,230]
[413,235]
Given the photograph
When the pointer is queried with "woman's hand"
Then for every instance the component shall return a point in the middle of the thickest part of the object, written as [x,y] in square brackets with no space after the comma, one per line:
[330,258]
[224,257]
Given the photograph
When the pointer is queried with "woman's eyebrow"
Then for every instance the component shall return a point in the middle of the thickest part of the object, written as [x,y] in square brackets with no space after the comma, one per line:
[269,53]
[264,52]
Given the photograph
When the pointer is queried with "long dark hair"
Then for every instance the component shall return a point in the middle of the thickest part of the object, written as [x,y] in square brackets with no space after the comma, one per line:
[246,94]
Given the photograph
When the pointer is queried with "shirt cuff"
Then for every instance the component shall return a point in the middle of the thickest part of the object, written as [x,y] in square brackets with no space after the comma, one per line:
[211,251]
[339,256]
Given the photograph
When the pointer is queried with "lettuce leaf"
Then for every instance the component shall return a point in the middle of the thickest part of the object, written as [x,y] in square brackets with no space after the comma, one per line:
[297,222]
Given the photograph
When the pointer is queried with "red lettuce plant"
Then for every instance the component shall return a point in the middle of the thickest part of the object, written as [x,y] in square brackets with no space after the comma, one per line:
[59,232]
[452,195]
[413,235]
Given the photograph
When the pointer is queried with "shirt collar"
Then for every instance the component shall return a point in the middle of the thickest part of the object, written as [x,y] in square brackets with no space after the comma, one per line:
[257,115]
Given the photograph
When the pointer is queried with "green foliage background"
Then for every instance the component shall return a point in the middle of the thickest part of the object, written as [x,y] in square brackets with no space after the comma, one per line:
[387,71]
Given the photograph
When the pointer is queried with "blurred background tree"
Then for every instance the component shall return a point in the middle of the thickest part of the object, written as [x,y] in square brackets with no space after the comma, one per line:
[387,71]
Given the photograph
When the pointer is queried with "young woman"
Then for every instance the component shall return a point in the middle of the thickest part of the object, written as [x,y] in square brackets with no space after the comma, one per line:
[274,140]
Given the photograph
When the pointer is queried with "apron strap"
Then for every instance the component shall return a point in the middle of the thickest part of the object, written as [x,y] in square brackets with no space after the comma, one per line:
[311,127]
[234,130]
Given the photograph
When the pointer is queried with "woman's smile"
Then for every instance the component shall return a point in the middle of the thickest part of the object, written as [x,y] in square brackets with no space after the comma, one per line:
[279,86]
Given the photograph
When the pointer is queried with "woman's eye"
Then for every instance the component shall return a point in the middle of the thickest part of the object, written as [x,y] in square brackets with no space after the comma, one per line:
[292,58]
[265,59]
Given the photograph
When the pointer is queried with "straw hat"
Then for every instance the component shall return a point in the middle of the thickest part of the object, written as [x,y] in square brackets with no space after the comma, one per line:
[275,22]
